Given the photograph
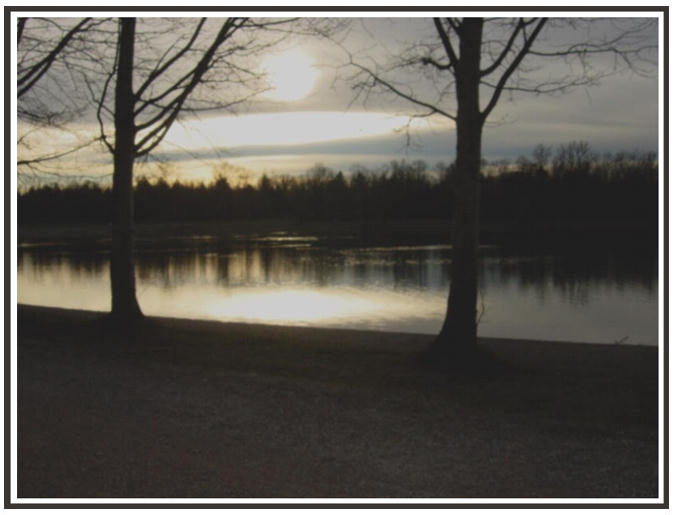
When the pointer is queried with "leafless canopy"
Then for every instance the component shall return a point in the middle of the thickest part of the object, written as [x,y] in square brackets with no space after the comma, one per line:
[66,71]
[184,66]
[528,55]
[51,55]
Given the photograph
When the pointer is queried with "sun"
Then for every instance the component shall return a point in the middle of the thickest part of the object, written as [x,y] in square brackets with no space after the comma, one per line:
[291,75]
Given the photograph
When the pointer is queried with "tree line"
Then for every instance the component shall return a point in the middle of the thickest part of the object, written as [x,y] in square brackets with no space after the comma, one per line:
[569,184]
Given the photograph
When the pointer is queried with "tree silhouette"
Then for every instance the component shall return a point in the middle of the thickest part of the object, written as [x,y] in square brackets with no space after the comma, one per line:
[520,205]
[142,115]
[469,63]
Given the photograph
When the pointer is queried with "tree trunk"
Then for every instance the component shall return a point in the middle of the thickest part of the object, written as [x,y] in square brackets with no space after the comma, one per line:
[125,307]
[458,336]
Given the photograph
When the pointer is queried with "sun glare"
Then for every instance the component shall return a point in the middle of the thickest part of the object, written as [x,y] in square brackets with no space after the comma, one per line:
[293,306]
[291,75]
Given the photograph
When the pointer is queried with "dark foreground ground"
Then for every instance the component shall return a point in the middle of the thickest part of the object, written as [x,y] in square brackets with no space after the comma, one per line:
[203,409]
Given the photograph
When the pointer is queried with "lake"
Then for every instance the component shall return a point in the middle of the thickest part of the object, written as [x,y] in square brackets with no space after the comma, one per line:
[601,295]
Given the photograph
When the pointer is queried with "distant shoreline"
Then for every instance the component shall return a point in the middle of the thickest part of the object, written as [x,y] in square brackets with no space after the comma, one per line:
[414,230]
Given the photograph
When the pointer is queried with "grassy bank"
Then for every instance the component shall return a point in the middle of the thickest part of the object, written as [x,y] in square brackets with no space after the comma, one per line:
[204,409]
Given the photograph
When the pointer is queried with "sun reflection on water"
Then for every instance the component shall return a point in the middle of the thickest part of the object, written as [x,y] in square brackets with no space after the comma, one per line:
[400,289]
[293,305]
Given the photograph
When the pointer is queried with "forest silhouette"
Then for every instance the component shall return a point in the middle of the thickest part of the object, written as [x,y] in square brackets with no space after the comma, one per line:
[567,185]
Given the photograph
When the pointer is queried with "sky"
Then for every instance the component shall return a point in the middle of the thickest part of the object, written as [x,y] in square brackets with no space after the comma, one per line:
[311,113]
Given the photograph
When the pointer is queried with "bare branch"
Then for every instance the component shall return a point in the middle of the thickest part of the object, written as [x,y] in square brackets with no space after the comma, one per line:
[161,69]
[454,25]
[550,87]
[169,113]
[437,65]
[388,85]
[507,48]
[513,66]
[101,104]
[52,157]
[28,78]
[448,47]
[21,23]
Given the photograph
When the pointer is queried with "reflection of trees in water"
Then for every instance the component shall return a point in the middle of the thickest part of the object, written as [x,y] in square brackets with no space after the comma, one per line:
[177,268]
[259,265]
[571,275]
[410,269]
[40,264]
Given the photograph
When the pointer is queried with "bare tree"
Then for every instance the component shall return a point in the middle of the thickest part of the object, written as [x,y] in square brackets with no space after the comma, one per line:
[460,72]
[154,82]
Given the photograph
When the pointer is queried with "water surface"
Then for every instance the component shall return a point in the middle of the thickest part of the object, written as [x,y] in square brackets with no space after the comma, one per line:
[603,297]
